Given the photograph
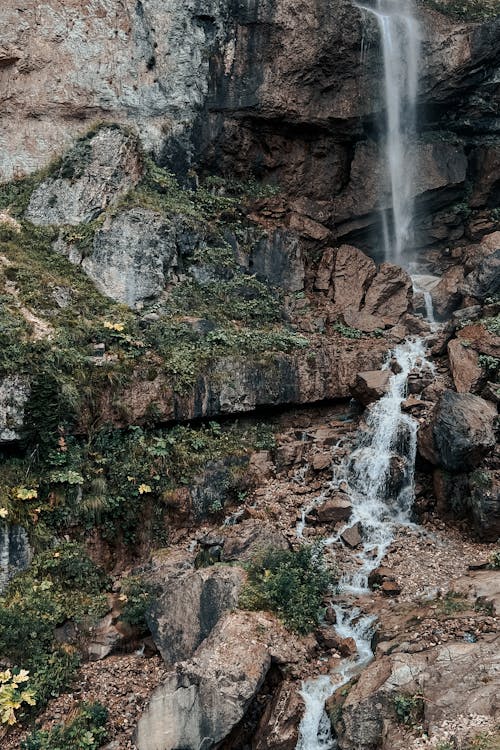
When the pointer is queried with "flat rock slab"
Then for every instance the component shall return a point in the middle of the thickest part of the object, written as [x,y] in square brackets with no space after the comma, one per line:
[370,386]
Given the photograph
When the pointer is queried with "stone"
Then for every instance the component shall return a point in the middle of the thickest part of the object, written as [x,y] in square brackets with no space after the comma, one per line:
[261,465]
[462,430]
[203,699]
[15,552]
[370,386]
[484,503]
[379,575]
[331,640]
[447,294]
[464,366]
[93,175]
[189,606]
[335,509]
[248,538]
[352,275]
[321,461]
[390,588]
[277,258]
[484,281]
[352,536]
[279,726]
[14,394]
[389,294]
[325,270]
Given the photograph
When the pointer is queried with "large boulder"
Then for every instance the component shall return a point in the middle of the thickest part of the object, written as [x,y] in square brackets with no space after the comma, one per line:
[464,366]
[352,274]
[94,173]
[189,606]
[370,386]
[453,680]
[203,699]
[460,433]
[389,295]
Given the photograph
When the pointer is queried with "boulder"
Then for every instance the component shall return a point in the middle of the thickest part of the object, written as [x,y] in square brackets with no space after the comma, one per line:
[321,461]
[484,281]
[93,175]
[279,725]
[447,294]
[451,678]
[353,273]
[370,386]
[203,699]
[484,503]
[352,536]
[246,539]
[334,509]
[462,431]
[325,270]
[389,295]
[133,256]
[464,366]
[277,258]
[189,606]
[14,394]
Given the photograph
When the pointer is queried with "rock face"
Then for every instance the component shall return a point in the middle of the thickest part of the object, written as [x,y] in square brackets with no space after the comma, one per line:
[14,393]
[203,699]
[462,429]
[15,552]
[455,679]
[189,607]
[94,174]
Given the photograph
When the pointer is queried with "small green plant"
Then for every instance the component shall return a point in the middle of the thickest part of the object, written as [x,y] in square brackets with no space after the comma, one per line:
[489,364]
[348,332]
[292,584]
[86,730]
[409,709]
[494,560]
[452,603]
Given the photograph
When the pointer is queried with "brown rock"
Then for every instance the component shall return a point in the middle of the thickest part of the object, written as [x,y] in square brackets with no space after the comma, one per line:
[306,227]
[353,273]
[389,295]
[446,295]
[279,725]
[260,465]
[321,461]
[246,539]
[352,536]
[464,366]
[390,588]
[370,386]
[379,575]
[325,270]
[335,509]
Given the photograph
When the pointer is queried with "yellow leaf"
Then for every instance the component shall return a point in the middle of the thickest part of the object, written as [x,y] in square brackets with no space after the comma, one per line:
[144,488]
[4,512]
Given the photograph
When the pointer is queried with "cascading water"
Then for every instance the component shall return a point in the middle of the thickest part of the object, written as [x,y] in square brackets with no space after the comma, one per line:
[400,41]
[379,504]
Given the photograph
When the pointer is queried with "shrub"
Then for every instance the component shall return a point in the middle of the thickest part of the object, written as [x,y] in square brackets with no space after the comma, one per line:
[13,693]
[137,596]
[85,731]
[292,584]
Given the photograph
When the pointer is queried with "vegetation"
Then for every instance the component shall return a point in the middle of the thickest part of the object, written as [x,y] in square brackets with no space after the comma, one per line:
[136,596]
[354,333]
[85,730]
[291,584]
[452,602]
[61,584]
[465,10]
[13,693]
[494,561]
[409,709]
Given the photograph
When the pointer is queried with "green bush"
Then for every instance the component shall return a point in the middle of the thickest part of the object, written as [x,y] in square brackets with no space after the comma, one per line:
[137,596]
[86,731]
[409,709]
[292,584]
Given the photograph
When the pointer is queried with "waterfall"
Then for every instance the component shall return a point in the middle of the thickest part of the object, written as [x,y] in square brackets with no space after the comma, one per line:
[400,40]
[380,502]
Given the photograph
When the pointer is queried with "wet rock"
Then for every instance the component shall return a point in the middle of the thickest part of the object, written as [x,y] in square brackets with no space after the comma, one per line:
[484,503]
[390,588]
[370,386]
[462,427]
[464,366]
[189,606]
[335,509]
[352,536]
[94,174]
[201,701]
[379,575]
[484,281]
[14,394]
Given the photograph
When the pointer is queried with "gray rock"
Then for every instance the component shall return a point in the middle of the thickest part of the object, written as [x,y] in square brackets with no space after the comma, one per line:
[133,256]
[189,607]
[463,430]
[203,699]
[14,393]
[15,552]
[94,174]
[277,258]
[484,281]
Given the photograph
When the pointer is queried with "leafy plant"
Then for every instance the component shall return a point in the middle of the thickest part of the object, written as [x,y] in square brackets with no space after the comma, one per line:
[452,602]
[136,596]
[292,584]
[409,708]
[86,730]
[13,693]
